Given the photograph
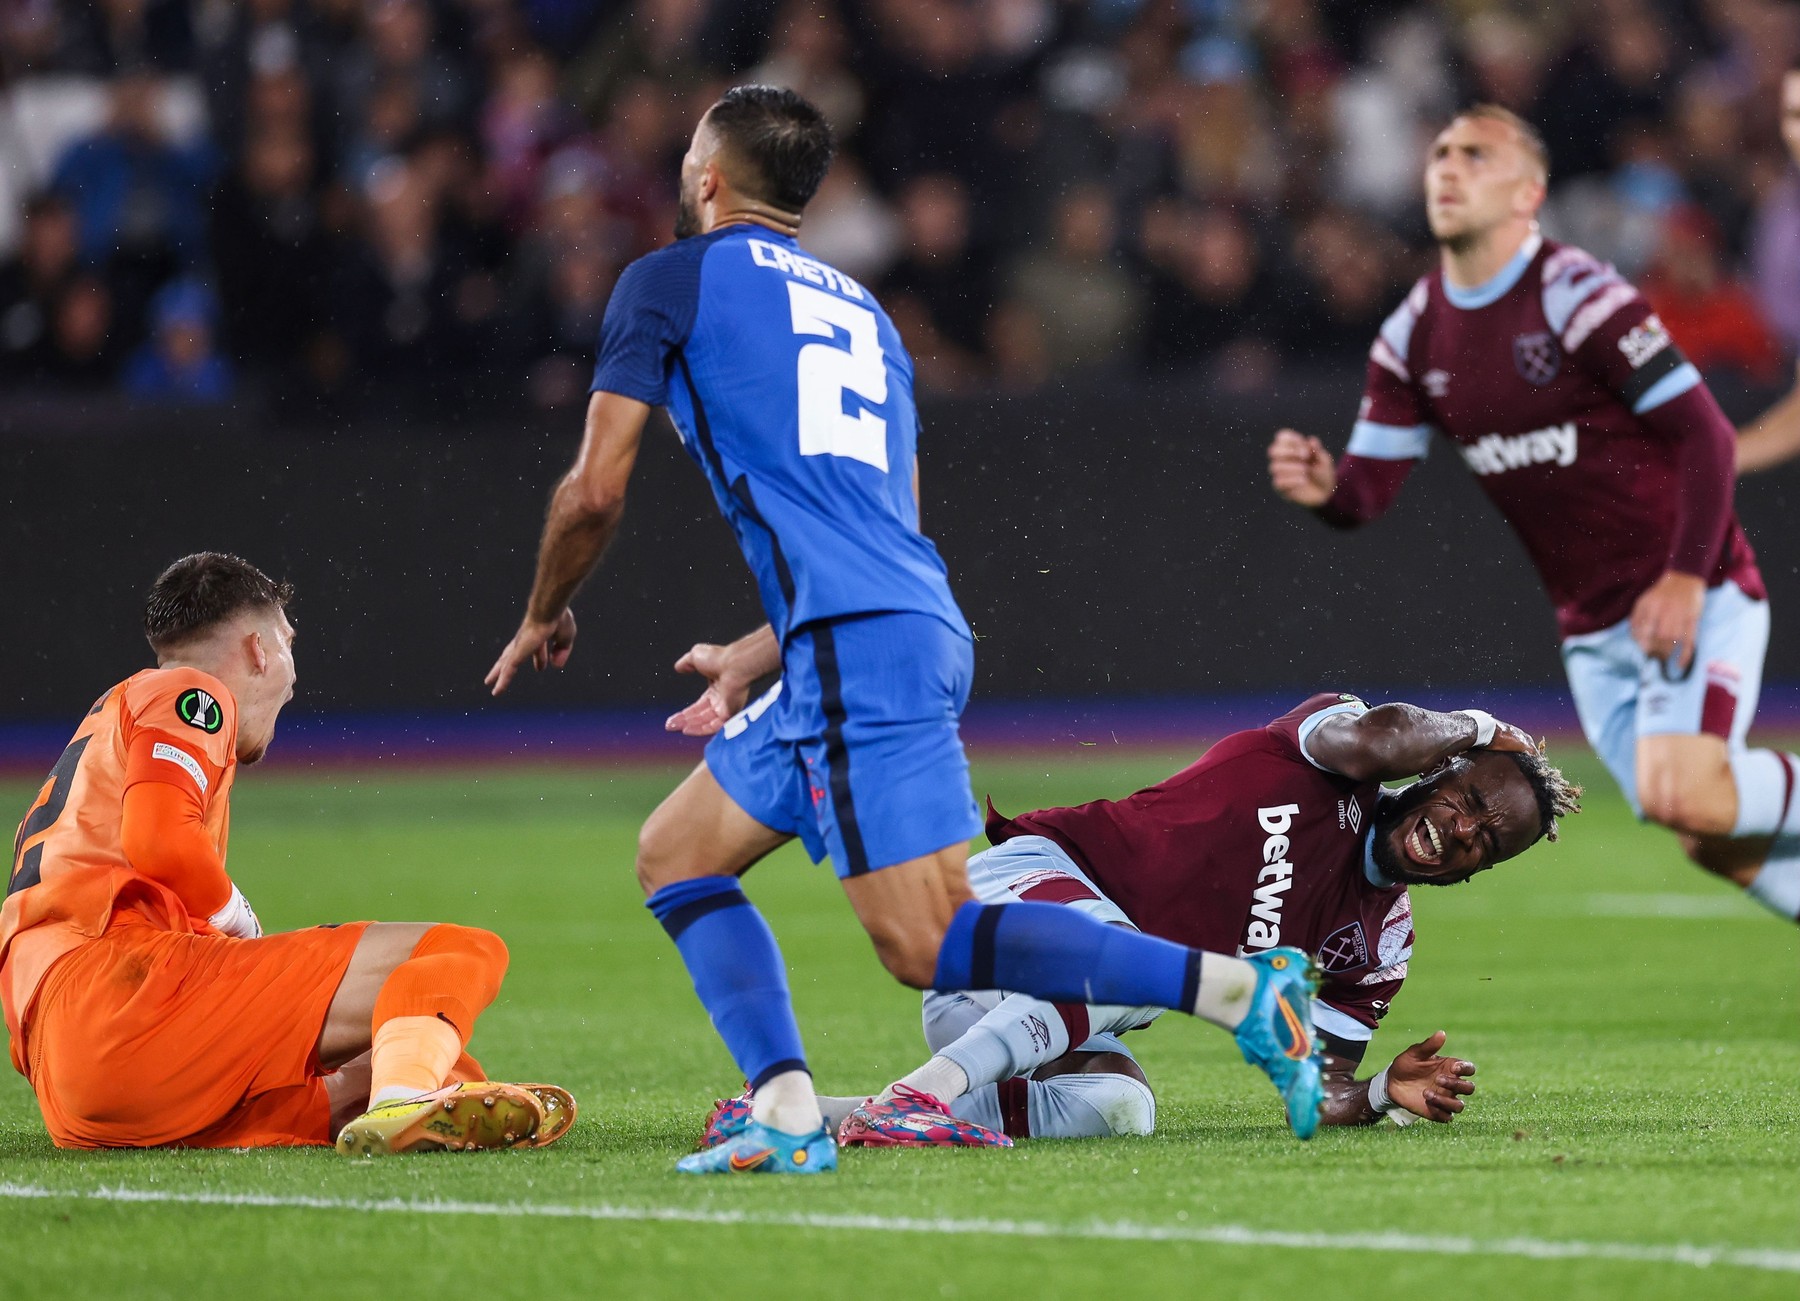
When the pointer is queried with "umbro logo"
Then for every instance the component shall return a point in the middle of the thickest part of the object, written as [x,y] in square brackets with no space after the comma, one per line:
[1350,816]
[1436,382]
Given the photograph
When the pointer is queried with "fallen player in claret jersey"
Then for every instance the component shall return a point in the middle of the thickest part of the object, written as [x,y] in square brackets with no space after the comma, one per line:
[1277,836]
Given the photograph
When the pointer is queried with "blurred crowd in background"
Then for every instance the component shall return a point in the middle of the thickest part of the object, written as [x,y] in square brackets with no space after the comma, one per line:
[424,204]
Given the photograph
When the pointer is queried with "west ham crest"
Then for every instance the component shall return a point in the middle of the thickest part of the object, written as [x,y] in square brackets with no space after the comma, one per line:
[1344,949]
[1538,357]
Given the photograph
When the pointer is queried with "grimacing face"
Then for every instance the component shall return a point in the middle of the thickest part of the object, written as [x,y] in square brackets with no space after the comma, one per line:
[1479,176]
[270,691]
[1475,811]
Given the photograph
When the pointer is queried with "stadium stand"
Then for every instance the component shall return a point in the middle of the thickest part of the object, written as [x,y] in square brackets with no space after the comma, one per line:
[403,204]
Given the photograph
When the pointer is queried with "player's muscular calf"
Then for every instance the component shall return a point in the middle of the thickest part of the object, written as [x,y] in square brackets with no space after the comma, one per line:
[347,1088]
[1685,784]
[907,908]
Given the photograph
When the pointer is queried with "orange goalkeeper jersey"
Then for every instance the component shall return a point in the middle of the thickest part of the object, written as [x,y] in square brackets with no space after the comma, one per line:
[70,874]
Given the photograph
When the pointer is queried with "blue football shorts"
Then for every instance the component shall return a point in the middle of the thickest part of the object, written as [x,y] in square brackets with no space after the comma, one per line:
[856,749]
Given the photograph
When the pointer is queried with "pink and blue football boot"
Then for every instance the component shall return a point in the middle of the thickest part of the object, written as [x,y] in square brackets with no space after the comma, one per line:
[913,1119]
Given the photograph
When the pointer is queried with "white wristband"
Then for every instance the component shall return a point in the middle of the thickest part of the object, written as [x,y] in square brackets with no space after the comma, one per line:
[1485,724]
[237,919]
[1378,1093]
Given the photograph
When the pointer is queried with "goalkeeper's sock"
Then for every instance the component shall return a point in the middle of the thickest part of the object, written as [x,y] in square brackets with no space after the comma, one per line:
[1060,955]
[412,1055]
[427,1007]
[741,980]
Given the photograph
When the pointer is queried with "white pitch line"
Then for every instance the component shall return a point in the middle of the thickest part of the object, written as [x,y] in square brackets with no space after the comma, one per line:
[1226,1235]
[1698,907]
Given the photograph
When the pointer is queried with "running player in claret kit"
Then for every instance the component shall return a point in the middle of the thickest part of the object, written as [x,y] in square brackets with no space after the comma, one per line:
[1278,835]
[1602,447]
[142,999]
[791,389]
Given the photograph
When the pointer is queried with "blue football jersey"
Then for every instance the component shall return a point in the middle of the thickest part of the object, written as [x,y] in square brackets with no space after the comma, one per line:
[791,389]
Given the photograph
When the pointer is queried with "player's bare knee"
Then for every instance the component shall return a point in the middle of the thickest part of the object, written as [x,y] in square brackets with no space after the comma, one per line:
[659,859]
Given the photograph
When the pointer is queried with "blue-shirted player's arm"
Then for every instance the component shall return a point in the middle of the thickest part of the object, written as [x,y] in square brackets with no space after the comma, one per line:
[648,318]
[730,672]
[584,514]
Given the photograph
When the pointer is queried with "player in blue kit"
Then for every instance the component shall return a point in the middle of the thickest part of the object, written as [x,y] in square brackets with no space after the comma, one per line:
[791,389]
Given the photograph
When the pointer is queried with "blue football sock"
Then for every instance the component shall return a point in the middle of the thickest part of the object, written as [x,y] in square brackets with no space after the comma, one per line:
[1061,955]
[737,971]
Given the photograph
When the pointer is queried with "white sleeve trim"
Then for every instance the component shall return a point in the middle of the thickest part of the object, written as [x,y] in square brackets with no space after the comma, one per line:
[1342,1024]
[1383,355]
[1310,724]
[1389,442]
[182,759]
[1595,312]
[1668,388]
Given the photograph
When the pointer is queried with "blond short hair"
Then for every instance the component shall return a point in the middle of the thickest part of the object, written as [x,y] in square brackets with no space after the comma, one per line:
[1529,137]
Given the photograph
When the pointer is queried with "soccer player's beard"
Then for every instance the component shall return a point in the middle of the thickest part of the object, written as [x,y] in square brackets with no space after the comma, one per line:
[1390,812]
[1458,242]
[687,217]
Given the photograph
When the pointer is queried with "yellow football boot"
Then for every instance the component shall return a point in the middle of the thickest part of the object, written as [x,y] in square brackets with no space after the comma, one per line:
[458,1117]
[559,1112]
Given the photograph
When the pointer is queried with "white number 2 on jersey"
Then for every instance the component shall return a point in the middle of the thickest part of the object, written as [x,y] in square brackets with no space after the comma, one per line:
[826,370]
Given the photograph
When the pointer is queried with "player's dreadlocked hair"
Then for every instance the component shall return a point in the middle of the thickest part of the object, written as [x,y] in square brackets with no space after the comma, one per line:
[780,138]
[201,591]
[1557,796]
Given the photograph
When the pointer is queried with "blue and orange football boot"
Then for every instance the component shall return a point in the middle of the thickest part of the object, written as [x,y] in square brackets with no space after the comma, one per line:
[757,1149]
[729,1115]
[913,1119]
[1276,1034]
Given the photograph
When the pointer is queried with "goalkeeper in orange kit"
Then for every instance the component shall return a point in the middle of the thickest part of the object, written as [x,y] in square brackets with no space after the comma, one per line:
[143,1001]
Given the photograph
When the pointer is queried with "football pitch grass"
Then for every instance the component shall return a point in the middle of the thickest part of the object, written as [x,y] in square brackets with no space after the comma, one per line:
[1636,1133]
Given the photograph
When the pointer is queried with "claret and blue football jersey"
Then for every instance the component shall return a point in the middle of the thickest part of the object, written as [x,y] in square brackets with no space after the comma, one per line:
[790,387]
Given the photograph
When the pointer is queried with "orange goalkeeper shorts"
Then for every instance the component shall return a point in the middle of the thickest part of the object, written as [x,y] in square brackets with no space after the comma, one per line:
[146,1037]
